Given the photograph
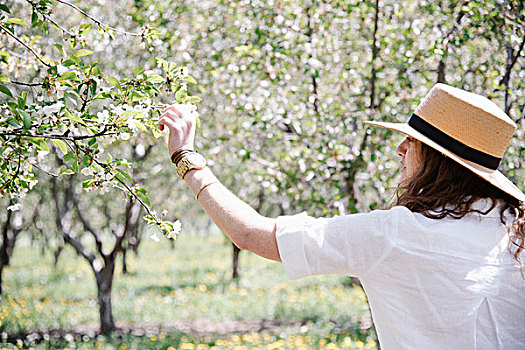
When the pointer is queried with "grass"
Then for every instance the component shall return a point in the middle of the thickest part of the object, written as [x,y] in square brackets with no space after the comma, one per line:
[167,289]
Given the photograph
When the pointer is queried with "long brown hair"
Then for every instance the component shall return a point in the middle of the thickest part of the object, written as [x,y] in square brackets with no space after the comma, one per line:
[442,188]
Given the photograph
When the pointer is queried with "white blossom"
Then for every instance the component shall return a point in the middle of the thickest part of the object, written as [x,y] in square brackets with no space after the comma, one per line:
[103,116]
[62,69]
[132,123]
[87,171]
[52,109]
[177,226]
[155,237]
[187,108]
[104,188]
[14,207]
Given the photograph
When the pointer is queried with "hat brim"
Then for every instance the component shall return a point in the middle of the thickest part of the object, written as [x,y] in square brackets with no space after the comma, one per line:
[495,177]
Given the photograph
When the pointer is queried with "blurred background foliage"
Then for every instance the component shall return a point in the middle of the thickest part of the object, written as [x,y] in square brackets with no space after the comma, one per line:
[285,89]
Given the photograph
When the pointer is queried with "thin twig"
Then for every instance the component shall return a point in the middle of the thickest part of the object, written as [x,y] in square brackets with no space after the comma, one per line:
[26,46]
[46,17]
[36,166]
[506,77]
[61,137]
[23,83]
[119,180]
[100,24]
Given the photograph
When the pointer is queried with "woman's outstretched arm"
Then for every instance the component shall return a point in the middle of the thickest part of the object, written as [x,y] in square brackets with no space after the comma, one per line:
[242,224]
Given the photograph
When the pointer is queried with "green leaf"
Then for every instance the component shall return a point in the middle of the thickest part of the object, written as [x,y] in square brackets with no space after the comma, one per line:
[75,167]
[4,8]
[155,78]
[82,53]
[137,71]
[69,156]
[21,103]
[190,79]
[193,99]
[65,171]
[114,81]
[138,96]
[39,142]
[17,21]
[70,75]
[96,71]
[181,95]
[142,193]
[61,49]
[4,79]
[26,118]
[85,28]
[125,174]
[6,91]
[86,160]
[73,117]
[62,145]
[24,97]
[87,183]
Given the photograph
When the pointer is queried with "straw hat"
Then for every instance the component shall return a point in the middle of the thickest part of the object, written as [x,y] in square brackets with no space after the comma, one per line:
[468,128]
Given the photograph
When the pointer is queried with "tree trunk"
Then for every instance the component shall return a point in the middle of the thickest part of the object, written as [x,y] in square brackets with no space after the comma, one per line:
[4,248]
[124,263]
[57,254]
[235,272]
[104,283]
[1,274]
[441,71]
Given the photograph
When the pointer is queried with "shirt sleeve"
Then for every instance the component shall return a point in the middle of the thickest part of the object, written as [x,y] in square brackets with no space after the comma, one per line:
[348,245]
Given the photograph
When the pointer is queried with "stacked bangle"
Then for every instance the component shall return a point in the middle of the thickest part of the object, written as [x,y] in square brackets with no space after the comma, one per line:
[203,187]
[178,155]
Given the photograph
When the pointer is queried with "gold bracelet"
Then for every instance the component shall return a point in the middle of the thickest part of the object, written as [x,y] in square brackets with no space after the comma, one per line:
[203,187]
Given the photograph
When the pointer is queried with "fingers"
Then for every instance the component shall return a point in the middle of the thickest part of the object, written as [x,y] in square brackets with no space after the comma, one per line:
[173,109]
[169,114]
[167,121]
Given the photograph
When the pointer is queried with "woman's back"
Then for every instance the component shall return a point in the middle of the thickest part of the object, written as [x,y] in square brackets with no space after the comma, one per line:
[448,284]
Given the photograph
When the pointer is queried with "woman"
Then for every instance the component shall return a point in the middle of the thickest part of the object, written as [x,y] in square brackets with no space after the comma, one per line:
[441,268]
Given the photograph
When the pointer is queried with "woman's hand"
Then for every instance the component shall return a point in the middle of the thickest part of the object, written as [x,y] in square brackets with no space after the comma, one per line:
[180,120]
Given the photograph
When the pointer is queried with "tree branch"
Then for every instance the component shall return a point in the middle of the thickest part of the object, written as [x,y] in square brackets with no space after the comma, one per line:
[458,23]
[87,226]
[61,137]
[100,24]
[122,182]
[375,51]
[511,61]
[79,247]
[23,83]
[126,229]
[4,255]
[309,35]
[64,30]
[26,46]
[75,243]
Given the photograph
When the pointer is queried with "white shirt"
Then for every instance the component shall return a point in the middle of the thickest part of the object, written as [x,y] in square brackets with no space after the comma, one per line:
[431,283]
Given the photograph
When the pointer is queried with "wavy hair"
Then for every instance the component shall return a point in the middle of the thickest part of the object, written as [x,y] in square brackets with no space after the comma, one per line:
[443,188]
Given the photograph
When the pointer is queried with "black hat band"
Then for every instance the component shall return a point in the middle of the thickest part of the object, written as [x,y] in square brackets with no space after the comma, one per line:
[453,145]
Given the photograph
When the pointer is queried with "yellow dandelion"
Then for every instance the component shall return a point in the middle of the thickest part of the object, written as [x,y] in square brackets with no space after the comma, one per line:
[370,345]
